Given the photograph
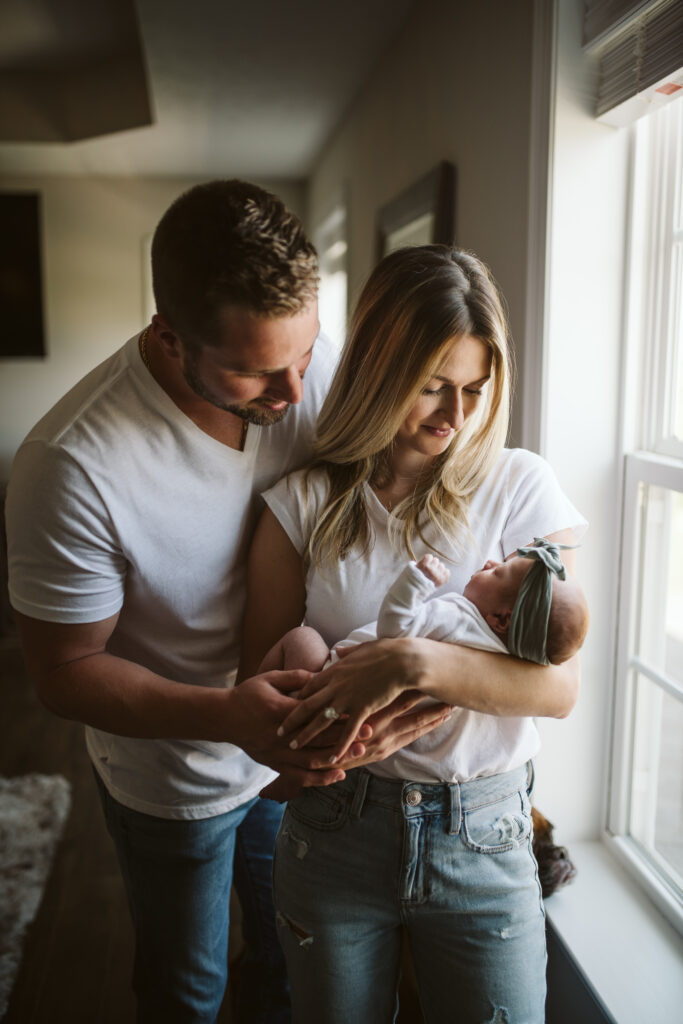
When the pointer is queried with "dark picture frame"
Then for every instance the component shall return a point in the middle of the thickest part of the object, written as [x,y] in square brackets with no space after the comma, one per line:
[22,326]
[424,211]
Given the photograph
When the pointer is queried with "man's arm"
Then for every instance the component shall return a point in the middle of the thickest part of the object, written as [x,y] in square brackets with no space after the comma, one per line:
[77,678]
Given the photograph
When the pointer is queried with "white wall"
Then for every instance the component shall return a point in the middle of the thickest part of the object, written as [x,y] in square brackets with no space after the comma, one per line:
[580,439]
[456,85]
[93,232]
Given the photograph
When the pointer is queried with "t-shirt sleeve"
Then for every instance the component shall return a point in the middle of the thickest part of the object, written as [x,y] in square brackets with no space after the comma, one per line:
[65,564]
[537,504]
[295,501]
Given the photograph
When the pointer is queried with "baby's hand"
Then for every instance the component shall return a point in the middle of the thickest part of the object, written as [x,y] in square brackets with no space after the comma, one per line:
[433,569]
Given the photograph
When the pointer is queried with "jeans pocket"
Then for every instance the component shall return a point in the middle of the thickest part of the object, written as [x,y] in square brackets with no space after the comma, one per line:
[498,827]
[321,807]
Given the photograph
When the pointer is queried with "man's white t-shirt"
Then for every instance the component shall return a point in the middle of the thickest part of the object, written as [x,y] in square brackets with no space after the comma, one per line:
[519,500]
[119,503]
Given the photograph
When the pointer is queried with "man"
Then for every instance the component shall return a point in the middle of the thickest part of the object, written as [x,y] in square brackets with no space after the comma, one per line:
[130,510]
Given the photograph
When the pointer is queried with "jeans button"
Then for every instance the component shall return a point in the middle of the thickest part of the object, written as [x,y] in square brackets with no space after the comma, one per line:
[413,797]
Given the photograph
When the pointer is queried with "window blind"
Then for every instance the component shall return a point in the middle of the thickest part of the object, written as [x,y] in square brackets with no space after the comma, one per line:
[638,42]
[603,18]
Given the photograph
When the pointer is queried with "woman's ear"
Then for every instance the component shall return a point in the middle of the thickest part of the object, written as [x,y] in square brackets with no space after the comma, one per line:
[499,622]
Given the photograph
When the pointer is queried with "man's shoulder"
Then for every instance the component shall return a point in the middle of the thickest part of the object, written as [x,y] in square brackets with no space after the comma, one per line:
[60,423]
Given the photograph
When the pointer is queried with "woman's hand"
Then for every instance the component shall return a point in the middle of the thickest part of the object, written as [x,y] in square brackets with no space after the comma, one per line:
[370,676]
[366,680]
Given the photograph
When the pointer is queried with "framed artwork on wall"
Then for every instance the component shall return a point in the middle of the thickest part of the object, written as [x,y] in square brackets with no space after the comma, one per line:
[423,213]
[22,333]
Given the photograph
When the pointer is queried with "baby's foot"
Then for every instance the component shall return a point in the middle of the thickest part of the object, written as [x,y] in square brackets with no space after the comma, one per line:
[433,569]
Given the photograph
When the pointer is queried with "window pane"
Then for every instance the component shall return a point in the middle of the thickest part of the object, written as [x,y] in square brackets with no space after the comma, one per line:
[675,127]
[677,340]
[665,314]
[657,793]
[676,337]
[332,305]
[330,239]
[661,617]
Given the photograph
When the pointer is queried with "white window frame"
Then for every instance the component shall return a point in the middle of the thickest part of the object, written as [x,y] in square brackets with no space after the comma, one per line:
[652,456]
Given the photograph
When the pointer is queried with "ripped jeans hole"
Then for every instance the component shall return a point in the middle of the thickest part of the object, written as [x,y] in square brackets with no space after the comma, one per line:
[509,827]
[300,845]
[303,939]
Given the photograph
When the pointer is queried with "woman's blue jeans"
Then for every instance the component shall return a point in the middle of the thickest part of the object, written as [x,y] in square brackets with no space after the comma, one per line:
[178,876]
[358,862]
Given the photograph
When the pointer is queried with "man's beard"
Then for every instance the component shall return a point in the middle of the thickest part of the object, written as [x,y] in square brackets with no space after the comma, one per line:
[261,416]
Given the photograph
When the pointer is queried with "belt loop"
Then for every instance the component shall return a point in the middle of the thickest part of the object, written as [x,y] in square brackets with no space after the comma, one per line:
[530,776]
[359,795]
[456,808]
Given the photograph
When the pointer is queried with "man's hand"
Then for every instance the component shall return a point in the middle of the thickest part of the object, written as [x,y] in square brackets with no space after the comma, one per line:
[285,787]
[257,707]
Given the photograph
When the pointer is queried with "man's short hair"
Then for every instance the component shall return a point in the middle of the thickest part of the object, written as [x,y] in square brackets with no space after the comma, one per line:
[229,243]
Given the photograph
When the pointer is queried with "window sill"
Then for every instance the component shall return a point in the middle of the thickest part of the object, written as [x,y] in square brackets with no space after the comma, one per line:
[630,955]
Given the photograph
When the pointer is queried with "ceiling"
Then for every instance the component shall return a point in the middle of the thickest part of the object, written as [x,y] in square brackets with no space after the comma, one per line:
[245,88]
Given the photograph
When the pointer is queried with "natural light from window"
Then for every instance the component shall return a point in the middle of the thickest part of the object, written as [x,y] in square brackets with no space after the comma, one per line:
[646,802]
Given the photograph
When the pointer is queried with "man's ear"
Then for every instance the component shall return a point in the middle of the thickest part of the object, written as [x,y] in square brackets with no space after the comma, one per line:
[499,622]
[166,337]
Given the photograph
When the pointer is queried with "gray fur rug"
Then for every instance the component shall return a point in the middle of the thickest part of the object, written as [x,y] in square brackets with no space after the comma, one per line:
[33,809]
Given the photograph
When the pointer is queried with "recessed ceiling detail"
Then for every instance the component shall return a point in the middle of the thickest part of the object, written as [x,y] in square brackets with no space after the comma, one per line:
[248,88]
[70,70]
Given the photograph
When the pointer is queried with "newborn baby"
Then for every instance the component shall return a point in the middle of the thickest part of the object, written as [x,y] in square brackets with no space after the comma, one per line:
[524,606]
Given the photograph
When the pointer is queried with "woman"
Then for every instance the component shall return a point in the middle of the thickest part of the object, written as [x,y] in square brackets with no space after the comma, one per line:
[437,838]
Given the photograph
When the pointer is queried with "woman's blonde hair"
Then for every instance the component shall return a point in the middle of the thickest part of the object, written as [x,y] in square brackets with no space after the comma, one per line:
[416,302]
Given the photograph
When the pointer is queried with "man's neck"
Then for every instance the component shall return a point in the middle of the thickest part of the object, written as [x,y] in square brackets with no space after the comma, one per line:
[223,426]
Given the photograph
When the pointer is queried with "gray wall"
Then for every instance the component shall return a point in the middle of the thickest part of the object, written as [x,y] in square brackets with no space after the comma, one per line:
[456,85]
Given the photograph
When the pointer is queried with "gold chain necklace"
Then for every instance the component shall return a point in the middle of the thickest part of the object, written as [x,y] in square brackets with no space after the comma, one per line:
[142,345]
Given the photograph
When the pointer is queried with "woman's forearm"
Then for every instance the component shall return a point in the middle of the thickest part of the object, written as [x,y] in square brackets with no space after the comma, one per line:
[378,676]
[495,684]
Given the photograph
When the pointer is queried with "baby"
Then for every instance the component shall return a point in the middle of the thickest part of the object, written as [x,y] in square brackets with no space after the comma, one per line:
[524,606]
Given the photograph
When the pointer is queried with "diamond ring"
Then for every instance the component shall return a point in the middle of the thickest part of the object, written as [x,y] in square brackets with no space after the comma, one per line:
[331,714]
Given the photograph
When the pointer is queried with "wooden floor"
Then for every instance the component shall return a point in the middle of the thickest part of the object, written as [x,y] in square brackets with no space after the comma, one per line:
[78,955]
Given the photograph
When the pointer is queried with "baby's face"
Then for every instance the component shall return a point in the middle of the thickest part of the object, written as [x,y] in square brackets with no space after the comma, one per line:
[494,588]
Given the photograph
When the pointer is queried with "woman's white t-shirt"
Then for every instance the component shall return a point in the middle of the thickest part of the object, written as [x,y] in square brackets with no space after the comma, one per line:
[519,500]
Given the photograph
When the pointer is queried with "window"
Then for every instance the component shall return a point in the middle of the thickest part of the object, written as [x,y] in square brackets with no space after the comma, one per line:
[646,799]
[330,239]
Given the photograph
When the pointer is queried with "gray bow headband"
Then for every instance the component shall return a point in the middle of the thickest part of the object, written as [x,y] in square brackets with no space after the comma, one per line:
[528,630]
